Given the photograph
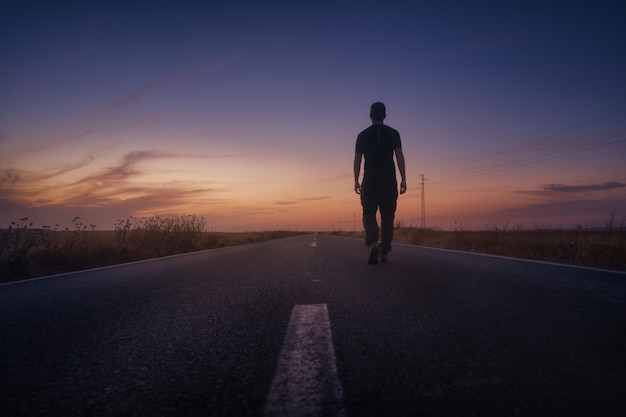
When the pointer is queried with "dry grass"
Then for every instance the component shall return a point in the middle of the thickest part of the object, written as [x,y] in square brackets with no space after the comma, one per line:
[593,248]
[27,251]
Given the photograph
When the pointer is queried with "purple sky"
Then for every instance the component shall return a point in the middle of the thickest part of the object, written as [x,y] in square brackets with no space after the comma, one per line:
[246,113]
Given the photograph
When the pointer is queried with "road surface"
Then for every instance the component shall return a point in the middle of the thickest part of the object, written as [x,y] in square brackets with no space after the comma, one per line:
[304,326]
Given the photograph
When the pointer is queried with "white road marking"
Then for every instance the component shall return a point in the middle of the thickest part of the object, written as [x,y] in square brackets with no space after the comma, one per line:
[306,381]
[314,244]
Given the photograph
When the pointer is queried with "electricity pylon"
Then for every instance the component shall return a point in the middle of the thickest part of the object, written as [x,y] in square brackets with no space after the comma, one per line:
[423,214]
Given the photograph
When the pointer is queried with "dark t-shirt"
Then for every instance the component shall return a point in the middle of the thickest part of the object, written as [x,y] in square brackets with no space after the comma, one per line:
[377,144]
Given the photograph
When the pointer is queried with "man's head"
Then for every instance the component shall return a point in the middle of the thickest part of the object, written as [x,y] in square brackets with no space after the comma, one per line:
[378,112]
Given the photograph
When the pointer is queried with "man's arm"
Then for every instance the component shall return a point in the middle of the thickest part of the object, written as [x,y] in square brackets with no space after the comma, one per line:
[402,169]
[357,172]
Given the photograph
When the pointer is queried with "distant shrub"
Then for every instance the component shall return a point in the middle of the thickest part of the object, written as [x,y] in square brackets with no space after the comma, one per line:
[16,243]
[27,251]
[158,236]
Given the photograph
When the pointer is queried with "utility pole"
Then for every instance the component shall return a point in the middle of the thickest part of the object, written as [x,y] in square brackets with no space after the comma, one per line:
[423,217]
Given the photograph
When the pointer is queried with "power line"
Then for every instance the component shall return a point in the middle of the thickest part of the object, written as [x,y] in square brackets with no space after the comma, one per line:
[529,161]
[491,155]
[543,157]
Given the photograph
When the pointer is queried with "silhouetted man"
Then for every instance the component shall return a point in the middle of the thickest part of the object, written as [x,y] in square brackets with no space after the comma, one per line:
[379,190]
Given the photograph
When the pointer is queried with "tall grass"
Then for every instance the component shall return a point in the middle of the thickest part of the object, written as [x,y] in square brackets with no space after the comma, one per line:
[602,247]
[159,236]
[595,248]
[21,243]
[29,251]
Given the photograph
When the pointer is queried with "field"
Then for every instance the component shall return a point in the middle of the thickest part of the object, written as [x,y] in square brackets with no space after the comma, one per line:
[27,251]
[592,248]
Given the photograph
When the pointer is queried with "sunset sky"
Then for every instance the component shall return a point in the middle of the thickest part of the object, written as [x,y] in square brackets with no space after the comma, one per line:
[246,113]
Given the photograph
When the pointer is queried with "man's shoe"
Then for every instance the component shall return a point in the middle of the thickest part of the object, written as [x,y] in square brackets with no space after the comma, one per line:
[373,253]
[383,257]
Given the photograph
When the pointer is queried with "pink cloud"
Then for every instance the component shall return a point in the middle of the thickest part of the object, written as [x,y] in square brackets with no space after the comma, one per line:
[562,188]
[105,188]
[576,209]
[561,191]
[127,167]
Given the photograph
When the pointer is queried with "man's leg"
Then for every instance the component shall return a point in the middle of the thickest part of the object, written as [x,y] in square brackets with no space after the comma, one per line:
[369,202]
[370,199]
[388,203]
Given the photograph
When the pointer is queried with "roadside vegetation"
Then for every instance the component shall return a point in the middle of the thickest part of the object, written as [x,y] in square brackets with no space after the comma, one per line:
[603,246]
[27,250]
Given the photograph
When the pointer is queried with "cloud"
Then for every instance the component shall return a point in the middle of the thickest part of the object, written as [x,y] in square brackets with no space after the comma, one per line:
[127,167]
[155,195]
[108,187]
[157,85]
[338,177]
[103,209]
[14,177]
[562,188]
[563,191]
[575,208]
[288,203]
[317,198]
[10,176]
[68,168]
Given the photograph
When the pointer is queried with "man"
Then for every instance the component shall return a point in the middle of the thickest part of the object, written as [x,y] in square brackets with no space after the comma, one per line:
[379,190]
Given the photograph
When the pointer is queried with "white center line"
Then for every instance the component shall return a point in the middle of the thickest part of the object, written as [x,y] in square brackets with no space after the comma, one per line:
[306,381]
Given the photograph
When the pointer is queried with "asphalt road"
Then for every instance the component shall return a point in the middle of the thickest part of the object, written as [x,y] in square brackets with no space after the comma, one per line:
[431,333]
